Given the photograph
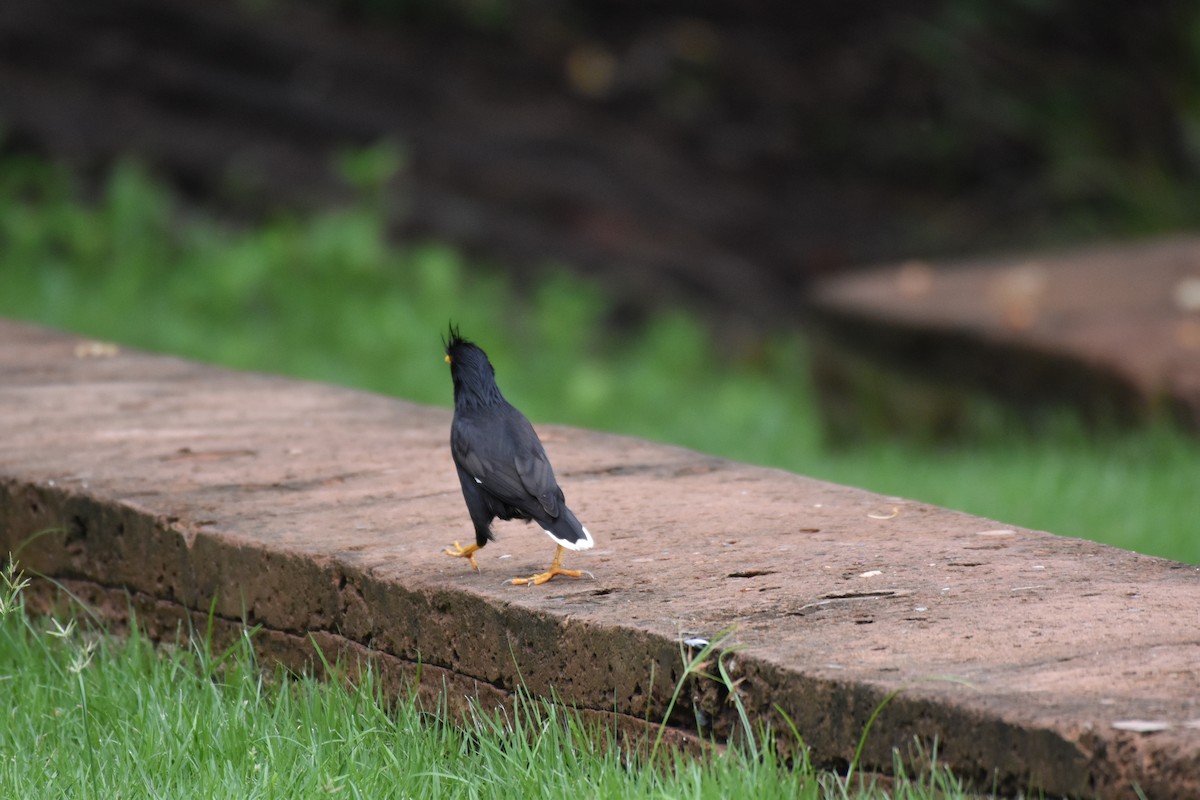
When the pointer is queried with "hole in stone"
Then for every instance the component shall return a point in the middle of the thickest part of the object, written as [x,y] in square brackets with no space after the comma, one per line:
[858,595]
[750,573]
[77,530]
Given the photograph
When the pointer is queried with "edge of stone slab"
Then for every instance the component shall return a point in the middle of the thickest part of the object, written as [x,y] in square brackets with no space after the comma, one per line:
[121,564]
[353,616]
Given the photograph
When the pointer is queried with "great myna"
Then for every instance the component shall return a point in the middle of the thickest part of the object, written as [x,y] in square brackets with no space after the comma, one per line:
[501,464]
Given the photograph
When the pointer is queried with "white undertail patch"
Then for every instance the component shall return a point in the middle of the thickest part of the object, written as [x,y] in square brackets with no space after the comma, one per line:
[582,544]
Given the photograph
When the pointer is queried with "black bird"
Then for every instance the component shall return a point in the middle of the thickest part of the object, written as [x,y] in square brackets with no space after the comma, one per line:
[501,464]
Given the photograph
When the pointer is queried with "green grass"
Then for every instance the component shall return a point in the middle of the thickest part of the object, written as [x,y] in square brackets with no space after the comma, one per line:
[1130,490]
[95,716]
[327,297]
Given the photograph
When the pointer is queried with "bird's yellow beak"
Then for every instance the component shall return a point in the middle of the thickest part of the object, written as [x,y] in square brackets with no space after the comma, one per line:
[447,358]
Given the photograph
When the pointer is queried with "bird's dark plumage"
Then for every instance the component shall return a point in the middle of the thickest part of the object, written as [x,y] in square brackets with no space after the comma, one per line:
[501,463]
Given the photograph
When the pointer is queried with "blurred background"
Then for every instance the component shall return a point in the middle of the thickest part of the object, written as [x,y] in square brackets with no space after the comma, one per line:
[627,204]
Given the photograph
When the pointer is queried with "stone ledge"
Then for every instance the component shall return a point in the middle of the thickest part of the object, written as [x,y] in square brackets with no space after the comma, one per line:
[1113,331]
[319,513]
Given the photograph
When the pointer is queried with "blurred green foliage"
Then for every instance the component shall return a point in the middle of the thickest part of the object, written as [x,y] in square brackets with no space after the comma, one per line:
[327,297]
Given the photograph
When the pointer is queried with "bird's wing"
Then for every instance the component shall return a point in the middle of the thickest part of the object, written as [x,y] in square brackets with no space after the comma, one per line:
[489,458]
[508,461]
[538,477]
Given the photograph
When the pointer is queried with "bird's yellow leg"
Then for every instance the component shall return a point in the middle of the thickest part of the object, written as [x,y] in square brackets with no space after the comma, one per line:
[467,552]
[555,569]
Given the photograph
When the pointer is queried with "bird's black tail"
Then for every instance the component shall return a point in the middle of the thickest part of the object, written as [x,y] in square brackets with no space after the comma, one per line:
[567,531]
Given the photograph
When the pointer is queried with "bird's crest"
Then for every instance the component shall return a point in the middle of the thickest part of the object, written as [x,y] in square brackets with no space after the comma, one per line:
[455,341]
[474,376]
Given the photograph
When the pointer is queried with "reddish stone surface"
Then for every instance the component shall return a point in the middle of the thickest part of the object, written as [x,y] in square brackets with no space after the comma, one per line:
[1111,330]
[320,513]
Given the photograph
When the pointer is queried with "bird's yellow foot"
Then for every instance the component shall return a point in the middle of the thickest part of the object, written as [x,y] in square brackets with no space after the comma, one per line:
[542,577]
[467,552]
[555,569]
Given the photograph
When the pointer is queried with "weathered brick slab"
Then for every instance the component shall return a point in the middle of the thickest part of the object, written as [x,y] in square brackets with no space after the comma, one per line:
[171,487]
[1112,330]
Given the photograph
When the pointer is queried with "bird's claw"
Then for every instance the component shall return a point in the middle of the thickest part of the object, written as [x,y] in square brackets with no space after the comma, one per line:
[543,577]
[467,552]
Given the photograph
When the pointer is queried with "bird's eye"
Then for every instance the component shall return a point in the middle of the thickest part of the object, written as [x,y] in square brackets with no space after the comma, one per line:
[448,358]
